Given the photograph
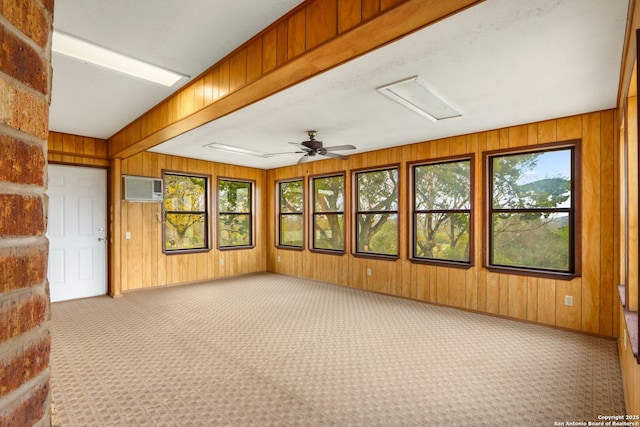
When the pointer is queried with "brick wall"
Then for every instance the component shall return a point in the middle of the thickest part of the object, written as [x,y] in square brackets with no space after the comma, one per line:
[25,83]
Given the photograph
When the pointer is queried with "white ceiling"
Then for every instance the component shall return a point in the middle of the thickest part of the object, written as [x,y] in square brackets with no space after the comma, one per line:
[502,62]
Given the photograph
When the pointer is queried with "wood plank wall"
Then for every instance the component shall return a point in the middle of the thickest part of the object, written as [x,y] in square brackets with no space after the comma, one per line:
[314,37]
[140,261]
[64,148]
[527,298]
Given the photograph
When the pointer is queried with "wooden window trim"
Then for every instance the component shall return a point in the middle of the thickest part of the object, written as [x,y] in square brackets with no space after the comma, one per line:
[312,210]
[207,214]
[576,210]
[354,180]
[250,214]
[470,157]
[279,215]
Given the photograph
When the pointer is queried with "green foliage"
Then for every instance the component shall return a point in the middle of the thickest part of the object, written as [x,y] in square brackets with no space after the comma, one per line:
[185,212]
[234,209]
[377,193]
[530,226]
[442,197]
[329,208]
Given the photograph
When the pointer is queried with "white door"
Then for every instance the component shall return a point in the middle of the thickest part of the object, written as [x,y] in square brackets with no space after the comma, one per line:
[77,232]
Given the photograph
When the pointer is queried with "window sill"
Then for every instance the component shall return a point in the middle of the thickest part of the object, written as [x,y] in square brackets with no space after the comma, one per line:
[376,256]
[290,248]
[532,273]
[442,263]
[631,319]
[327,252]
[235,248]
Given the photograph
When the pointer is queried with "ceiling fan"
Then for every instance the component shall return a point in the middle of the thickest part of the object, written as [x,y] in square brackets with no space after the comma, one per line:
[314,147]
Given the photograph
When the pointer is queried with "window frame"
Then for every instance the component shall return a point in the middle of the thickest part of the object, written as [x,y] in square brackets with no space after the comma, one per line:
[207,213]
[312,222]
[574,211]
[251,214]
[470,157]
[280,214]
[356,212]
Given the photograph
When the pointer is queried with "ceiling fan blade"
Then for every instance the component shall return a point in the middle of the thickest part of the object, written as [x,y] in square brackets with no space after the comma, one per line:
[340,147]
[301,146]
[302,159]
[335,155]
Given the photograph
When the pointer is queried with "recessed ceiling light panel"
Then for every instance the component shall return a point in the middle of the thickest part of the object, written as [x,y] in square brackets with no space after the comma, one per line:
[415,94]
[82,50]
[237,150]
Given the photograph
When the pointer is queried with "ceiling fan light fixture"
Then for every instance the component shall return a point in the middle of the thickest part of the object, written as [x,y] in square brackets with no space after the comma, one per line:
[415,94]
[85,51]
[237,150]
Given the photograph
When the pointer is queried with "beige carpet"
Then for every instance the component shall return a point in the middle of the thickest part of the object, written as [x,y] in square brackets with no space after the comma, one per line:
[267,349]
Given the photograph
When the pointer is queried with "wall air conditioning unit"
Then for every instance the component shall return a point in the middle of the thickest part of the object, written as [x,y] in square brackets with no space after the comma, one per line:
[141,189]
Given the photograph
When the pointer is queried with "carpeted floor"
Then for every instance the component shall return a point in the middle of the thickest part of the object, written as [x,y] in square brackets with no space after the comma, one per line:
[267,349]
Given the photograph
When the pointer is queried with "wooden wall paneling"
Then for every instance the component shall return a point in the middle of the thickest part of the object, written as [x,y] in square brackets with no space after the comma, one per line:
[370,8]
[254,59]
[503,294]
[161,273]
[479,234]
[547,131]
[518,298]
[238,69]
[492,292]
[115,230]
[270,50]
[283,43]
[225,76]
[207,88]
[633,269]
[532,299]
[569,317]
[518,136]
[321,22]
[296,34]
[433,283]
[349,14]
[386,4]
[569,128]
[442,285]
[135,245]
[547,301]
[457,287]
[591,222]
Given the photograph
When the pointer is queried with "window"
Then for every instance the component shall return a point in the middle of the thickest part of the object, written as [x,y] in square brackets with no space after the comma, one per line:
[290,223]
[532,210]
[186,213]
[441,220]
[377,212]
[328,213]
[235,214]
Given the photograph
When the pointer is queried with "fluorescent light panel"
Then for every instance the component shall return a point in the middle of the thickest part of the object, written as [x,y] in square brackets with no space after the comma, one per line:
[415,94]
[237,150]
[74,47]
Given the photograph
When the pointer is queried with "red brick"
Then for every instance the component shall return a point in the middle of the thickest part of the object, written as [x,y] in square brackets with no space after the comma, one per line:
[29,17]
[22,267]
[21,162]
[21,314]
[28,410]
[21,216]
[22,62]
[24,364]
[23,111]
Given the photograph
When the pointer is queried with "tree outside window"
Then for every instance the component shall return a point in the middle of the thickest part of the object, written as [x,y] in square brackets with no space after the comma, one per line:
[290,224]
[442,211]
[377,212]
[532,210]
[186,215]
[235,205]
[328,213]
